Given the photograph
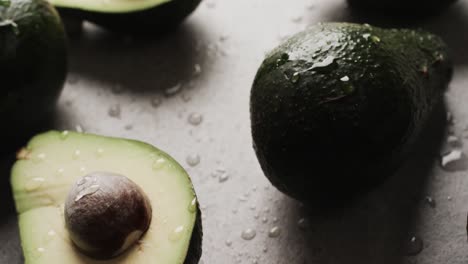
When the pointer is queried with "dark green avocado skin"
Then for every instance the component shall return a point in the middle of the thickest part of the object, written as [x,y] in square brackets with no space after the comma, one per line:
[336,108]
[413,8]
[33,66]
[159,19]
[194,252]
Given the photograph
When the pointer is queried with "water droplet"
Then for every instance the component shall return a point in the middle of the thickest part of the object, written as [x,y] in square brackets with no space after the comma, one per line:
[64,134]
[82,169]
[430,201]
[449,198]
[197,69]
[302,223]
[211,4]
[252,207]
[193,205]
[193,160]
[296,19]
[186,97]
[100,152]
[158,164]
[156,102]
[60,171]
[248,234]
[173,90]
[328,61]
[295,77]
[264,220]
[375,39]
[454,160]
[34,184]
[115,111]
[345,79]
[228,243]
[274,232]
[176,234]
[414,246]
[195,119]
[39,158]
[41,249]
[76,154]
[128,127]
[265,249]
[275,219]
[51,233]
[87,191]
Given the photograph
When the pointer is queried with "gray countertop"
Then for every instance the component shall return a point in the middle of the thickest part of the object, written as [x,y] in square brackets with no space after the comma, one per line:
[155,90]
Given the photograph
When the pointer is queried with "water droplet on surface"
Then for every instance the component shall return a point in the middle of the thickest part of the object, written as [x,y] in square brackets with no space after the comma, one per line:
[274,232]
[41,249]
[193,160]
[64,134]
[228,243]
[275,219]
[223,177]
[449,198]
[296,19]
[211,4]
[193,205]
[87,191]
[430,201]
[34,184]
[197,69]
[195,119]
[115,111]
[60,171]
[177,234]
[82,169]
[248,234]
[39,158]
[375,39]
[156,102]
[264,220]
[100,152]
[128,127]
[51,233]
[295,77]
[302,223]
[173,90]
[186,97]
[454,160]
[414,246]
[265,249]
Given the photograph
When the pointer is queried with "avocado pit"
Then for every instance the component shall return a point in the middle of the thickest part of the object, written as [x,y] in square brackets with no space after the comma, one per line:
[106,214]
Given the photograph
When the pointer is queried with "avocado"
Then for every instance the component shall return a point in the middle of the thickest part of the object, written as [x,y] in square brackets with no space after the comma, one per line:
[33,66]
[412,8]
[66,185]
[141,17]
[336,108]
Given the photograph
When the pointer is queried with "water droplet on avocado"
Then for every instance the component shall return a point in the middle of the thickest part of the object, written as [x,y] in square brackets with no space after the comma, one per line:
[345,79]
[274,232]
[64,134]
[375,39]
[34,184]
[193,205]
[51,233]
[100,152]
[193,160]
[414,246]
[41,249]
[87,191]
[76,154]
[195,119]
[282,60]
[328,61]
[159,163]
[430,201]
[295,77]
[454,160]
[39,158]
[302,223]
[248,234]
[176,234]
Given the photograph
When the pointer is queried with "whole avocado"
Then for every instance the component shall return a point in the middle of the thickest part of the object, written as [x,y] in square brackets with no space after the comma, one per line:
[160,17]
[413,8]
[33,65]
[336,108]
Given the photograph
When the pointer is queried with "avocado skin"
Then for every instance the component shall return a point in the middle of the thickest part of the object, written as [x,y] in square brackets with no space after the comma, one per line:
[159,19]
[33,66]
[326,141]
[414,8]
[194,252]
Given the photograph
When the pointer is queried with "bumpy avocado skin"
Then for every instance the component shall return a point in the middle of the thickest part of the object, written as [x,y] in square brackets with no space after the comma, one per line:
[336,108]
[33,65]
[159,19]
[413,8]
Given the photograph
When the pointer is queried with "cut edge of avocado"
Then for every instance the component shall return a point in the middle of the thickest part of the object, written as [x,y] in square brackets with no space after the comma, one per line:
[109,6]
[39,197]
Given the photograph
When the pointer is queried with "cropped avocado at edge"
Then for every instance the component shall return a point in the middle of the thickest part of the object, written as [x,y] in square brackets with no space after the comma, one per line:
[160,18]
[335,109]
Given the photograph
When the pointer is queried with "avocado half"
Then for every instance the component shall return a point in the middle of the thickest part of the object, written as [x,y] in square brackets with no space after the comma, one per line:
[52,162]
[142,16]
[336,109]
[33,67]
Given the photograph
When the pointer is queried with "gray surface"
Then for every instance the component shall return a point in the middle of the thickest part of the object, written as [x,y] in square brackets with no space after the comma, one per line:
[107,71]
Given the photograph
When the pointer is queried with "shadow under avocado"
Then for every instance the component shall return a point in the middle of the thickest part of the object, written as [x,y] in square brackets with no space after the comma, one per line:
[137,64]
[451,24]
[377,227]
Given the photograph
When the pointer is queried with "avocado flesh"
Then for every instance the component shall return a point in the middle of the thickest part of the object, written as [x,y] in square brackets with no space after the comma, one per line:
[33,66]
[53,161]
[336,108]
[127,16]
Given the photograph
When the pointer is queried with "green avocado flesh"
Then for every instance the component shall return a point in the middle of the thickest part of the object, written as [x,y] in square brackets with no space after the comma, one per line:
[52,162]
[335,109]
[109,6]
[33,66]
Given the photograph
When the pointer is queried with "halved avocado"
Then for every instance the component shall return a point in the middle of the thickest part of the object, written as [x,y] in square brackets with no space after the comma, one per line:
[53,162]
[129,16]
